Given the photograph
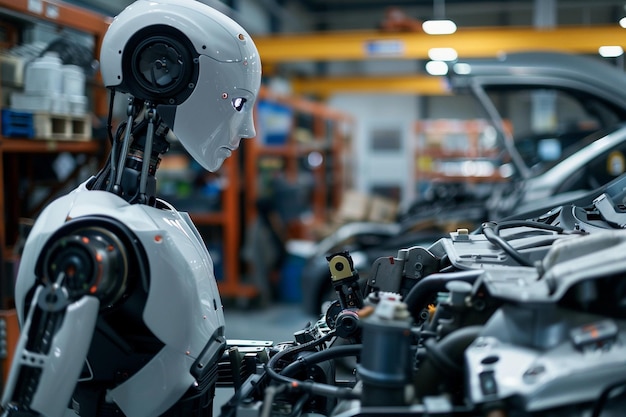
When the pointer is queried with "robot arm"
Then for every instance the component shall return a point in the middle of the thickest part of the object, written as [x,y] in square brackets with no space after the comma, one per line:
[78,272]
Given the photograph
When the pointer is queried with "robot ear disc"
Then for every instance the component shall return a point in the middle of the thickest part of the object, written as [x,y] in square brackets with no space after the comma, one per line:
[160,65]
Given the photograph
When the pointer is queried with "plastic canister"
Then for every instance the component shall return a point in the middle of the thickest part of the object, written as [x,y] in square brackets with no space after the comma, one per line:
[44,75]
[73,80]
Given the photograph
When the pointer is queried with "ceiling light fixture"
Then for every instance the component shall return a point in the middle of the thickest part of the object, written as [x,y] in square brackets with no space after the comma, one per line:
[440,25]
[610,51]
[443,54]
[436,68]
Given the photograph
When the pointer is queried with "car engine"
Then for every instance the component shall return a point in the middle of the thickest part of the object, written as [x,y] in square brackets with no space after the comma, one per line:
[522,317]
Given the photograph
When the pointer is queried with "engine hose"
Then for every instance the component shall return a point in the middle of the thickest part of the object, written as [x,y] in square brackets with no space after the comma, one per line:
[493,237]
[324,355]
[298,348]
[432,371]
[601,402]
[526,223]
[425,290]
[314,388]
[270,372]
[308,386]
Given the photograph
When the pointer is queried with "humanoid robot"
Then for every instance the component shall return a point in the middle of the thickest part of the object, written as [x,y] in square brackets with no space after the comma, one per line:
[116,298]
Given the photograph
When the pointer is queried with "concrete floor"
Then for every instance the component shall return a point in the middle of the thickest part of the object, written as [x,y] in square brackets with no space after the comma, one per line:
[275,323]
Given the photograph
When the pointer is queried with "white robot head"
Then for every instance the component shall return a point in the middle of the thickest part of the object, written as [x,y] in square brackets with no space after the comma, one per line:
[198,66]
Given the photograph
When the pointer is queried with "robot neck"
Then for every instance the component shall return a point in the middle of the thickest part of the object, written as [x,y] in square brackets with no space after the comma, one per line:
[134,159]
[130,186]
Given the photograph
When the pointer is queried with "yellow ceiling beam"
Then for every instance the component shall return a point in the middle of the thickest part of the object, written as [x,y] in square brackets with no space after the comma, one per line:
[396,84]
[469,43]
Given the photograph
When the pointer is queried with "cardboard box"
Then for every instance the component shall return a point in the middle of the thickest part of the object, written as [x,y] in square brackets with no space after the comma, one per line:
[354,207]
[382,209]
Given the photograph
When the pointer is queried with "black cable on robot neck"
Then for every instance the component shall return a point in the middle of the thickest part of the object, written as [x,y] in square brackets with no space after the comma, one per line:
[160,145]
[122,175]
[131,186]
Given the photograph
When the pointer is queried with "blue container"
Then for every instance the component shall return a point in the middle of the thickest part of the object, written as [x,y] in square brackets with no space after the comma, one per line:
[17,124]
[290,284]
[275,121]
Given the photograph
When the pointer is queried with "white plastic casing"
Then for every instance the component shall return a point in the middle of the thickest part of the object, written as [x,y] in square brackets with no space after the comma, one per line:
[206,123]
[183,308]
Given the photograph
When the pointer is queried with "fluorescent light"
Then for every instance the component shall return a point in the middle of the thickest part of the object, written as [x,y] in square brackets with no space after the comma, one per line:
[622,22]
[439,27]
[442,54]
[462,68]
[610,51]
[436,68]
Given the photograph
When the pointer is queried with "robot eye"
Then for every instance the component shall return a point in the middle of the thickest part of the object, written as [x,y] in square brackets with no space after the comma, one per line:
[238,103]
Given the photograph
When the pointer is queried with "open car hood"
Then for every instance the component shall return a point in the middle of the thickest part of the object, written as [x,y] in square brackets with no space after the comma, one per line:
[550,69]
[582,76]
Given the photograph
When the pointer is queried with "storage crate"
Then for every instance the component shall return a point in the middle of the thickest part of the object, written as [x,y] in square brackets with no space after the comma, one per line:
[275,122]
[17,124]
[62,127]
[35,103]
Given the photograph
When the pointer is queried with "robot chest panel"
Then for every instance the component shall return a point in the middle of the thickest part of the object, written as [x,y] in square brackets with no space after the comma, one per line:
[183,306]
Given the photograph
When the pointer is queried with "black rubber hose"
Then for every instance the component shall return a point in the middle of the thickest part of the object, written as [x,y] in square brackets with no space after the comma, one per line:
[526,223]
[426,289]
[324,355]
[308,386]
[444,361]
[314,388]
[298,348]
[493,237]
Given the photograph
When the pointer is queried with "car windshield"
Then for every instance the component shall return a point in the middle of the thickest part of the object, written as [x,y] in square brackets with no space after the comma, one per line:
[549,124]
[574,147]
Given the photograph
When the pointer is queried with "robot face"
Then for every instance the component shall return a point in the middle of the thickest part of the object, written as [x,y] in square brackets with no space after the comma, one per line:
[200,67]
[223,104]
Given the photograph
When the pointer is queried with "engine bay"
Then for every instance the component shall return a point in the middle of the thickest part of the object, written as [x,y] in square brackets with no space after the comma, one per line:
[522,317]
